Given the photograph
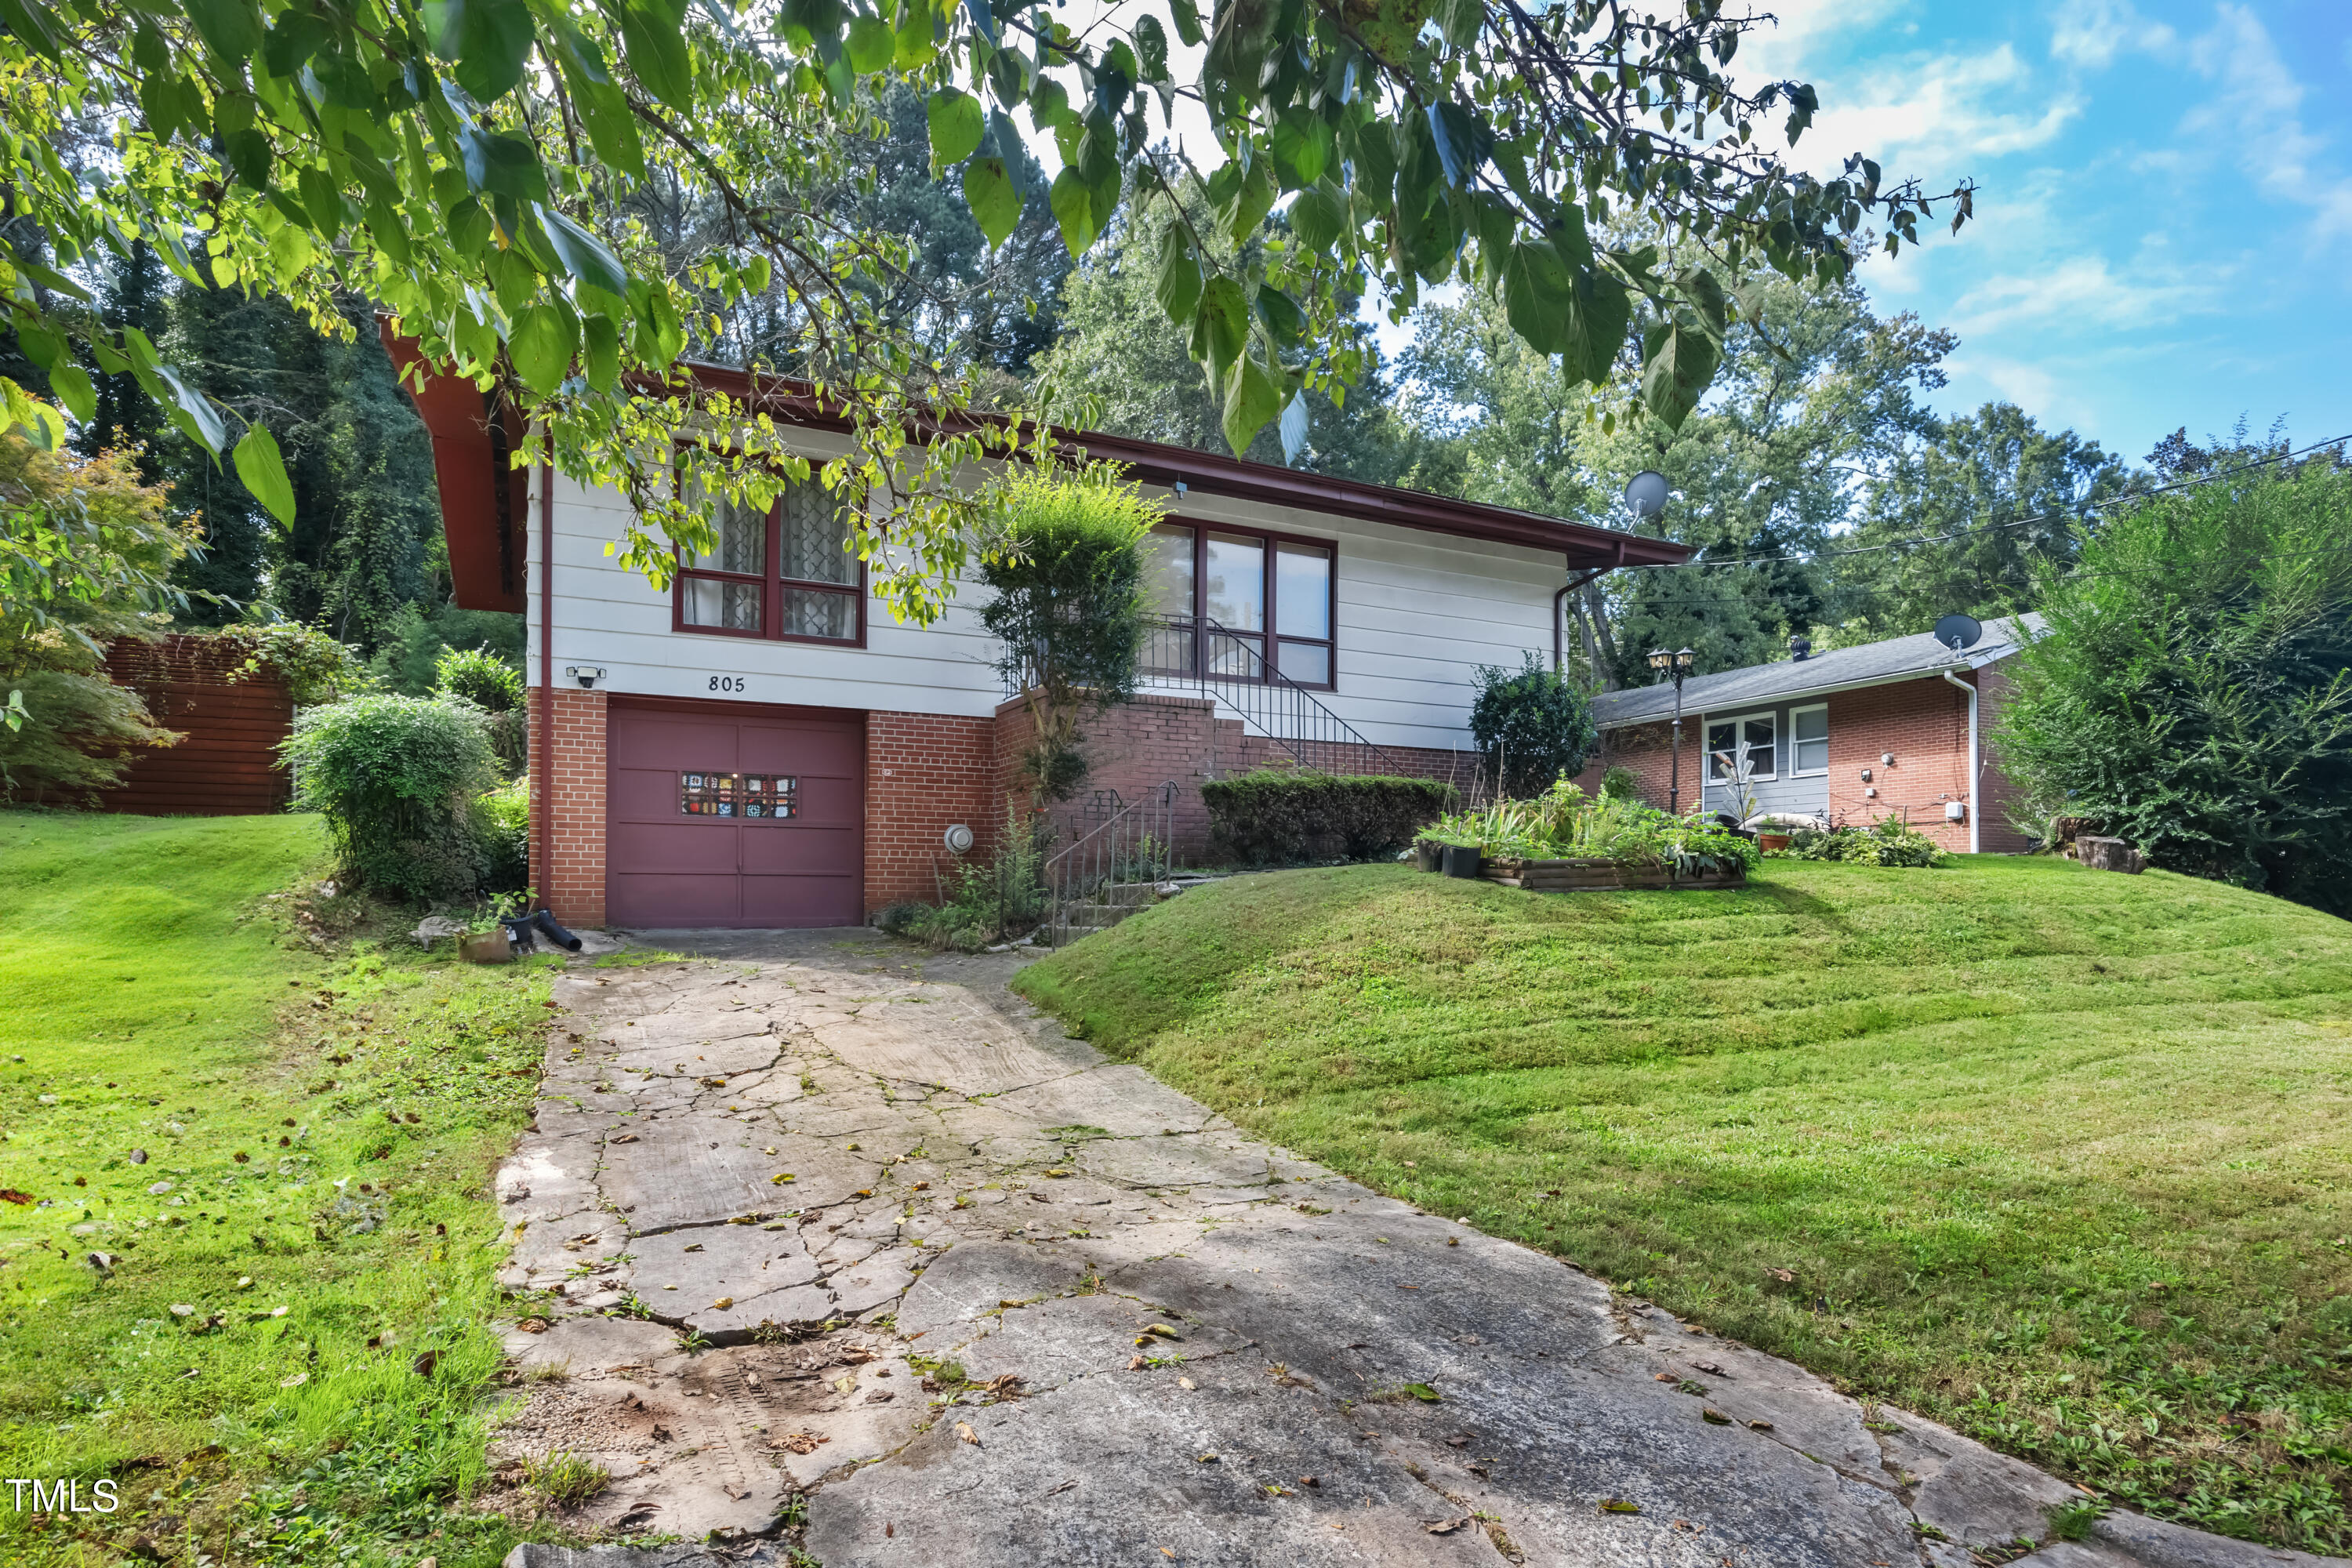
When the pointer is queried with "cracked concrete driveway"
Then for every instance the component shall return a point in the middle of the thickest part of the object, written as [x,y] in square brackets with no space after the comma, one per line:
[986,1298]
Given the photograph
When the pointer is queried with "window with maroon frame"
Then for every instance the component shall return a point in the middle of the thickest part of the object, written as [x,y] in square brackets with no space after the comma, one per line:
[1229,604]
[784,573]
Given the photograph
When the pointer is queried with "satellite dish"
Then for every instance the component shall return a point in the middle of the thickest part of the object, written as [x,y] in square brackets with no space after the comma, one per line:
[1645,492]
[1956,632]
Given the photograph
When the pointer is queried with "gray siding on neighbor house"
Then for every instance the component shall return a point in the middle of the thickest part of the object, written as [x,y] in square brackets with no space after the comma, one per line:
[1788,790]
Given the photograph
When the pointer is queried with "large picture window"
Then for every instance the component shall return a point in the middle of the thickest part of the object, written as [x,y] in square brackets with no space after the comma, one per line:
[784,573]
[1235,604]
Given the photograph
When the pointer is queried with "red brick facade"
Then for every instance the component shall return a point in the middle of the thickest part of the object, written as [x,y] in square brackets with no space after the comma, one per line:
[925,772]
[573,884]
[1924,723]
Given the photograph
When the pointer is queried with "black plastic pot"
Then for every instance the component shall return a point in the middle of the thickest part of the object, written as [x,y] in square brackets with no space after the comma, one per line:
[1462,860]
[1428,855]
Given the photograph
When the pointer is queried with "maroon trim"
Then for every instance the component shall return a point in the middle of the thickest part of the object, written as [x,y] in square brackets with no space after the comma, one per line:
[1270,654]
[1213,473]
[771,585]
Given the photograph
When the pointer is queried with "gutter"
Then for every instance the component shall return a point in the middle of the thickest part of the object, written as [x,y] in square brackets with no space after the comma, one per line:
[1807,694]
[1973,766]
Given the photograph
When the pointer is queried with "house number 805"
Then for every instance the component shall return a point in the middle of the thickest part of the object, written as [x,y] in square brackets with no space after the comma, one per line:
[725,683]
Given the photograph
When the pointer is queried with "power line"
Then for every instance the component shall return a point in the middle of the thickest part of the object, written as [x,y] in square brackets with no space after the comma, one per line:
[2079,510]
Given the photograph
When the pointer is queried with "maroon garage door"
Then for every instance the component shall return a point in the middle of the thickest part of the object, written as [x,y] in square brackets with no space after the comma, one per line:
[722,813]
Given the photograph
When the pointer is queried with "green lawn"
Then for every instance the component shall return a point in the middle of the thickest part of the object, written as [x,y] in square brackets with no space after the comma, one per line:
[2056,1157]
[325,1122]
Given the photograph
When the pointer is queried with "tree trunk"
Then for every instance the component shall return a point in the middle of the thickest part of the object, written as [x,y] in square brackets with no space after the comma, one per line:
[1601,628]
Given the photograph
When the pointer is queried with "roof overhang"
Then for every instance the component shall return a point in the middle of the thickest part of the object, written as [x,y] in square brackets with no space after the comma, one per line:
[1969,663]
[486,531]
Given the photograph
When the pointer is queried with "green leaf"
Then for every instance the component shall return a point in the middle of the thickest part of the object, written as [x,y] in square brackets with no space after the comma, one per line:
[495,43]
[545,339]
[501,165]
[189,409]
[1252,397]
[654,33]
[1221,327]
[988,191]
[871,45]
[583,255]
[612,127]
[445,28]
[956,122]
[1151,47]
[1538,293]
[1302,144]
[230,29]
[599,347]
[660,334]
[263,470]
[1319,215]
[918,37]
[1251,198]
[1422,1392]
[1187,18]
[322,199]
[1704,291]
[1679,361]
[71,385]
[1459,20]
[1285,322]
[1599,313]
[1177,285]
[32,23]
[1073,201]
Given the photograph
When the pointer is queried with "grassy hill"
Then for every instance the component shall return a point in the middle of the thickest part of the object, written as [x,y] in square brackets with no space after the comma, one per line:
[2058,1157]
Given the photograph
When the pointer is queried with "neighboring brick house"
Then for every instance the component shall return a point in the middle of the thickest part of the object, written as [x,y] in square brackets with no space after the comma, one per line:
[1851,735]
[760,744]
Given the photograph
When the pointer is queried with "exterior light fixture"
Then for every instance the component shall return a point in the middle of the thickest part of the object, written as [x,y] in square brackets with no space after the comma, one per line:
[1677,664]
[587,675]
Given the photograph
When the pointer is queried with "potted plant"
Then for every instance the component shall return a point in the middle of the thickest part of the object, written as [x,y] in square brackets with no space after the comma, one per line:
[1428,855]
[487,938]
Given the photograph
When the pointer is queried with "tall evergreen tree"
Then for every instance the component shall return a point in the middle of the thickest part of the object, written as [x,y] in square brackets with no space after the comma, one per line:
[137,292]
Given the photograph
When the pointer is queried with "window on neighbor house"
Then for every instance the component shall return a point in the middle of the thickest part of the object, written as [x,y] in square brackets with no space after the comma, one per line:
[1809,740]
[784,573]
[1230,604]
[1735,744]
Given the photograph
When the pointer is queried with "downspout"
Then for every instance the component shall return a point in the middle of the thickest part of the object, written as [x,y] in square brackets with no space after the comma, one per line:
[542,754]
[1970,689]
[1559,614]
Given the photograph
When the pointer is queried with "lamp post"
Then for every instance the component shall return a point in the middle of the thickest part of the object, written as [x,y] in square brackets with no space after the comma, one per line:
[1676,664]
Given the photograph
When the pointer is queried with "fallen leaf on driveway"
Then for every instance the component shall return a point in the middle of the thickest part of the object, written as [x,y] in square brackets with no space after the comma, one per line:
[1713,1417]
[721,1304]
[1759,1424]
[1422,1392]
[800,1442]
[533,1325]
[964,1431]
[1618,1505]
[1708,1366]
[1447,1526]
[624,1138]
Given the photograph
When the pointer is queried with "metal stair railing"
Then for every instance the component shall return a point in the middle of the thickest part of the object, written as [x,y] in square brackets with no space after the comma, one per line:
[1132,848]
[1233,670]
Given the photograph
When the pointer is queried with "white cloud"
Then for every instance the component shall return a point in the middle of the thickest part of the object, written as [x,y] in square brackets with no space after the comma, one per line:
[2080,291]
[2258,112]
[1959,108]
[2092,33]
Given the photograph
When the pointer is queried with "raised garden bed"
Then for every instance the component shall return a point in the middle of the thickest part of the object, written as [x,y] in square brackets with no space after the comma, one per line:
[1567,875]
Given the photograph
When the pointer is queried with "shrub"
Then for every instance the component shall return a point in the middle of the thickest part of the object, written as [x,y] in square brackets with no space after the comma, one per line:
[1621,783]
[1069,609]
[2192,693]
[314,666]
[1889,841]
[396,778]
[502,830]
[1278,817]
[490,683]
[1531,725]
[1565,824]
[988,901]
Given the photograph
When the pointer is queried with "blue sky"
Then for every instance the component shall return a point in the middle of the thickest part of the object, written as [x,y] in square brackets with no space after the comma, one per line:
[2165,219]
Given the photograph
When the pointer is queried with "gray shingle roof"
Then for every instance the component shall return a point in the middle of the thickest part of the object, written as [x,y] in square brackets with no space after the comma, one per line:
[1870,664]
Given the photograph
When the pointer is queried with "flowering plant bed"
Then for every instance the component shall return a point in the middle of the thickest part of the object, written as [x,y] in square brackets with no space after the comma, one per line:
[1566,876]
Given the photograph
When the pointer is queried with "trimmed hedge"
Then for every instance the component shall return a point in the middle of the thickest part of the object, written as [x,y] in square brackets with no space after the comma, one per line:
[1278,817]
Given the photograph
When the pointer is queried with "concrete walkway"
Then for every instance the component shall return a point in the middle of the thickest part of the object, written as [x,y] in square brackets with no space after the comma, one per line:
[962,1293]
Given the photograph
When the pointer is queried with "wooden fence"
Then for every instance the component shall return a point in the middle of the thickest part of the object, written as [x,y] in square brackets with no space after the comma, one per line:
[226,764]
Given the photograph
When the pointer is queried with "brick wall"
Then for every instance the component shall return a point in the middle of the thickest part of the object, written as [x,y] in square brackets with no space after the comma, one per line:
[1646,751]
[1925,723]
[924,773]
[573,885]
